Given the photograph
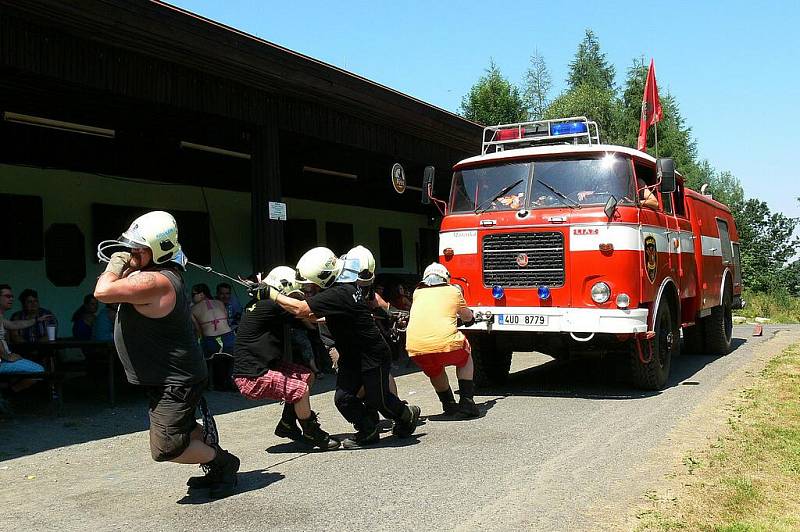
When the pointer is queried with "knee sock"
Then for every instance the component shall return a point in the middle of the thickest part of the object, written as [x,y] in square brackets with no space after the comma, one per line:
[466,390]
[289,416]
[446,397]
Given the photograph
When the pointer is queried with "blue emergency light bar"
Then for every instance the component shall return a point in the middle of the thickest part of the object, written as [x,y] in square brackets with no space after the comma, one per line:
[568,128]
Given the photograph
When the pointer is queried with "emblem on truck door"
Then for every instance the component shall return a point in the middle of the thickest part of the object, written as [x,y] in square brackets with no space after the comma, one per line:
[650,257]
[522,260]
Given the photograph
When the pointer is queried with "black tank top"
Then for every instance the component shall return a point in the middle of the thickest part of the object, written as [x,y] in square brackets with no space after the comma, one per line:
[160,351]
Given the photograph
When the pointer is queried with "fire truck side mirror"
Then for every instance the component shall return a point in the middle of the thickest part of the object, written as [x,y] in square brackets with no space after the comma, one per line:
[665,173]
[611,207]
[427,184]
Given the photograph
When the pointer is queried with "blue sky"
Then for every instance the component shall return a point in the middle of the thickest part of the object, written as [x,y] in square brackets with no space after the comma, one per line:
[733,66]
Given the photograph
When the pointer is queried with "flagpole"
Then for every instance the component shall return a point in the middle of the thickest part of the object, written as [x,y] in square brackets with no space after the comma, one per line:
[655,127]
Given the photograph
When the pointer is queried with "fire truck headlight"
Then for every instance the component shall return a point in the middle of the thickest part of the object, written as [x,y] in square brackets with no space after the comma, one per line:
[600,292]
[623,301]
[544,292]
[498,292]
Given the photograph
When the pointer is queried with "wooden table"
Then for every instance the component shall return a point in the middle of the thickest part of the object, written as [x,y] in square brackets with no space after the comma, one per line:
[49,350]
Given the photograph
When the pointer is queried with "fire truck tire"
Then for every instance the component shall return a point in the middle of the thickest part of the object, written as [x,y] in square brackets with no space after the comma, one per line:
[719,328]
[693,341]
[654,374]
[491,364]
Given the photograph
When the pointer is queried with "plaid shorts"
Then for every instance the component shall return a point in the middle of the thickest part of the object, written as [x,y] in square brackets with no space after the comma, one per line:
[432,364]
[286,382]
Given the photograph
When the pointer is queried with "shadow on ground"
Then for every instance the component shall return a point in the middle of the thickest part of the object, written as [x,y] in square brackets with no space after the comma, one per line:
[596,377]
[248,481]
[87,415]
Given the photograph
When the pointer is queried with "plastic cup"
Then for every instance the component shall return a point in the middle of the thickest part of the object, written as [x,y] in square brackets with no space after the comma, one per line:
[51,332]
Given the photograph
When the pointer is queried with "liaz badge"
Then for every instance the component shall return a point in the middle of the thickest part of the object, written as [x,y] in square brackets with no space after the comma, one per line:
[650,257]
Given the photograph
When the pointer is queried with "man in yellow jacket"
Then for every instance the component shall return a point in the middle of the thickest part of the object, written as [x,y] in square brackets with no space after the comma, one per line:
[433,340]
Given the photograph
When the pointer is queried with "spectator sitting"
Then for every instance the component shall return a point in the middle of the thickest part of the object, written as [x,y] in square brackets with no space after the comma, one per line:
[103,327]
[232,305]
[83,318]
[211,321]
[31,311]
[11,363]
[398,297]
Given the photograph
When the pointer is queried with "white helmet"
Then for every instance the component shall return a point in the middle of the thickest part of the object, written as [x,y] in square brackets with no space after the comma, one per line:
[318,266]
[435,274]
[283,280]
[359,265]
[158,231]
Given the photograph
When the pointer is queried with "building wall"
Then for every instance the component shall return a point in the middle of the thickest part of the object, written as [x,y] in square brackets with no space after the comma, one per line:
[67,198]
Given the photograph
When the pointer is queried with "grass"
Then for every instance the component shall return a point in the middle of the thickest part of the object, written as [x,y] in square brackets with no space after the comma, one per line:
[748,479]
[779,306]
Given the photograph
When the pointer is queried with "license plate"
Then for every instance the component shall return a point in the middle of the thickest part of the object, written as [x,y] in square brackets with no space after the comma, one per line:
[531,320]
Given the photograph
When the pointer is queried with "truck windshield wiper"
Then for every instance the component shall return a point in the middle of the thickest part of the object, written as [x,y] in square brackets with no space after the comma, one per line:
[480,208]
[568,201]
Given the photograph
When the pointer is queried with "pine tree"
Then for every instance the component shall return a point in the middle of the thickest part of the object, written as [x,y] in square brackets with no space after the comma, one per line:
[493,100]
[537,86]
[589,67]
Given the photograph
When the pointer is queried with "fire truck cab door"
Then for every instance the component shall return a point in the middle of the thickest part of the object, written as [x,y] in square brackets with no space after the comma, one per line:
[660,254]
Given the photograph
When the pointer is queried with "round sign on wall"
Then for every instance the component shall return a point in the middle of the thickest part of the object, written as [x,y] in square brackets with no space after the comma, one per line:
[398,178]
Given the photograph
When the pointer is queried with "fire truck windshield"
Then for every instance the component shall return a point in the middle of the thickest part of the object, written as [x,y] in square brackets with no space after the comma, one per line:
[555,183]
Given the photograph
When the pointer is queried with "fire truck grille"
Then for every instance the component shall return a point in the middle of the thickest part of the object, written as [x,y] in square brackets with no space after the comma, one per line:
[523,260]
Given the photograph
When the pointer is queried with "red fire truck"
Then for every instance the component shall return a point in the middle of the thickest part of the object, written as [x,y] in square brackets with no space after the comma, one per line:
[567,246]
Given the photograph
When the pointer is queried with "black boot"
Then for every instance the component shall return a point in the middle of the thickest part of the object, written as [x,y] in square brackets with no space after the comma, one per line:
[367,434]
[220,475]
[287,426]
[407,424]
[449,405]
[466,405]
[314,435]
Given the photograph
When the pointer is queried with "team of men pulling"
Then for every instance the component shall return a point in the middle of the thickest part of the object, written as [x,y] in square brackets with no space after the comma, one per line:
[157,346]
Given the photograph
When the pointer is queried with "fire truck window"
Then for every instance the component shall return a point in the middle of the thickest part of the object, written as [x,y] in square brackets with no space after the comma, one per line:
[680,207]
[647,174]
[724,241]
[666,202]
[484,188]
[585,181]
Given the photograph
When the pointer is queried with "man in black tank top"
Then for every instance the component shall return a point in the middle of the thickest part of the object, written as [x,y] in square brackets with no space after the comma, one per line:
[155,341]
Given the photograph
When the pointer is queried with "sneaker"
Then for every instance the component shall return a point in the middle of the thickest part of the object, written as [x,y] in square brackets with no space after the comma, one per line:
[284,430]
[362,439]
[406,425]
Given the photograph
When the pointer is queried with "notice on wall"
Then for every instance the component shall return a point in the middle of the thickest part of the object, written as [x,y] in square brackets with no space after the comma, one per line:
[277,210]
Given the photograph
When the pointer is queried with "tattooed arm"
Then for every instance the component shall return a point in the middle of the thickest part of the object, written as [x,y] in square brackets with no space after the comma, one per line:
[138,288]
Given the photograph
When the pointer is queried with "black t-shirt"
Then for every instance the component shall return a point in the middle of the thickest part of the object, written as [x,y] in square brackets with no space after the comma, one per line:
[260,338]
[350,321]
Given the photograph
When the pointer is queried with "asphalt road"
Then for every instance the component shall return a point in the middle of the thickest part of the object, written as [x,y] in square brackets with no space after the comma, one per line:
[557,445]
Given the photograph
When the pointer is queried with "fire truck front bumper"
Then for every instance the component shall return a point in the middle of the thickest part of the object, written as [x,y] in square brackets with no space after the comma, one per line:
[557,319]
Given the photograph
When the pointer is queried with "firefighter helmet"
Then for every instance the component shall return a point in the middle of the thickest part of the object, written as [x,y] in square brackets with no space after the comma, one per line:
[157,231]
[318,266]
[283,279]
[435,274]
[359,265]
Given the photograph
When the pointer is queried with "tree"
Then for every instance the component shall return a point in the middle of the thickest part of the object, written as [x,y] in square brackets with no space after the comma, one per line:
[537,86]
[589,67]
[767,244]
[493,100]
[600,105]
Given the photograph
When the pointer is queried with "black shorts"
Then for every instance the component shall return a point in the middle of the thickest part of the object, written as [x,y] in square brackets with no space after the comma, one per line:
[172,419]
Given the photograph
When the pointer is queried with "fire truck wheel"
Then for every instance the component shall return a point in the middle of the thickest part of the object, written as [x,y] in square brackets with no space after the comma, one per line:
[492,365]
[693,341]
[719,328]
[653,374]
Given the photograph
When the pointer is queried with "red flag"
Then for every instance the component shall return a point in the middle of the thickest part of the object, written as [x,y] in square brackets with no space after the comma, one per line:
[651,106]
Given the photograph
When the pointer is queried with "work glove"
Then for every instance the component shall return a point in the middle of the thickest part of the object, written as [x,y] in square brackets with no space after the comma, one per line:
[118,262]
[262,291]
